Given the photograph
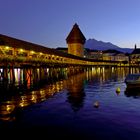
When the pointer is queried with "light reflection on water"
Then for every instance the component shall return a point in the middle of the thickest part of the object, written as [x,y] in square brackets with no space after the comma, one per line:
[68,106]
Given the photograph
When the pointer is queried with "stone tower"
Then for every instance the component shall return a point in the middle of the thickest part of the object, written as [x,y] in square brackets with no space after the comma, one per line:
[76,41]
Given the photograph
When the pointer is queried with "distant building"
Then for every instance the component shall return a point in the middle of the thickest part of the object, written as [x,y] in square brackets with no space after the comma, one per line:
[109,55]
[135,56]
[94,54]
[76,41]
[114,55]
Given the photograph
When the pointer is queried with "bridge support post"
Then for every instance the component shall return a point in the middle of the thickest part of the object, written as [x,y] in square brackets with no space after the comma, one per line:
[5,74]
[12,74]
[35,76]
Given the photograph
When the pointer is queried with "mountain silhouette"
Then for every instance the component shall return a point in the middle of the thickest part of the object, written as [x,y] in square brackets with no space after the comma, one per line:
[94,44]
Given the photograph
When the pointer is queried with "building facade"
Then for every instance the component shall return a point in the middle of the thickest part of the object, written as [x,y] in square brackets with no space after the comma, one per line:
[135,56]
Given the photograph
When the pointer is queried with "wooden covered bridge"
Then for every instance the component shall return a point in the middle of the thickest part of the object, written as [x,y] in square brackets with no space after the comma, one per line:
[18,53]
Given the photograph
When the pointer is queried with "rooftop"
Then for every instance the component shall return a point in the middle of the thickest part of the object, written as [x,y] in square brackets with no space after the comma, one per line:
[75,35]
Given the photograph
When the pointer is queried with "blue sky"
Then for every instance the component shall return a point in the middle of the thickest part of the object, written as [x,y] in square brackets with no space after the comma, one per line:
[48,22]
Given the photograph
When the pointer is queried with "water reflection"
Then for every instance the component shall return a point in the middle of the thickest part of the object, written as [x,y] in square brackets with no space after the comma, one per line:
[75,85]
[7,108]
[76,92]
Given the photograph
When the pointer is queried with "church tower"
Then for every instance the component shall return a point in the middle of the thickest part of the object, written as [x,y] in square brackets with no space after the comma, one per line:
[76,41]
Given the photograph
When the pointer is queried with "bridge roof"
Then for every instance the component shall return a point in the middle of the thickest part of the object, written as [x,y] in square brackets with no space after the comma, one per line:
[17,43]
[21,44]
[75,35]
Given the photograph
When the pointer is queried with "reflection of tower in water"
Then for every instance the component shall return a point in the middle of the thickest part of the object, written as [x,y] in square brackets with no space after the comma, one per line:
[76,92]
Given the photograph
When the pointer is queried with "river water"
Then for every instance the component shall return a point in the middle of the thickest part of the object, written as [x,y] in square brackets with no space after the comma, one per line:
[83,106]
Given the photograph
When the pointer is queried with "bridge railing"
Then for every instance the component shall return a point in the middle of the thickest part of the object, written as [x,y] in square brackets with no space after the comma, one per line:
[10,54]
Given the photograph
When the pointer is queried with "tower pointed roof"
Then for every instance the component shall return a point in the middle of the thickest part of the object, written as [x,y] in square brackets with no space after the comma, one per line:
[75,35]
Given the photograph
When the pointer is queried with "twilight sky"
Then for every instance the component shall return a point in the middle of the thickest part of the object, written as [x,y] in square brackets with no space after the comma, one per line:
[48,22]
